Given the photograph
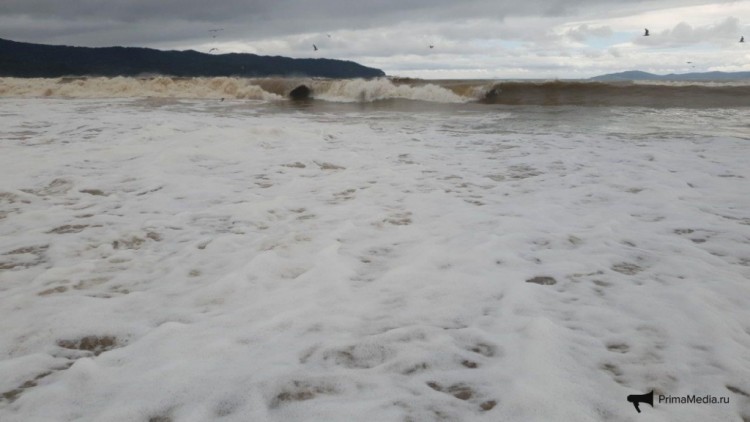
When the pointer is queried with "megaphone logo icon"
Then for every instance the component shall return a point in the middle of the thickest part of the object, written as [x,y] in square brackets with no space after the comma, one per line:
[636,399]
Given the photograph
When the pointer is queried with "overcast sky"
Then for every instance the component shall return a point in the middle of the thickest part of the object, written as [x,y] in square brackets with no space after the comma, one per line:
[471,38]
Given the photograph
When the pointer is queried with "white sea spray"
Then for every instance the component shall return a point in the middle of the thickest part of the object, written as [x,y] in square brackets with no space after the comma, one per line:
[207,260]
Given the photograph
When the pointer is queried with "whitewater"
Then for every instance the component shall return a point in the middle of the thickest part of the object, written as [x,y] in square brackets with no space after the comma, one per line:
[380,252]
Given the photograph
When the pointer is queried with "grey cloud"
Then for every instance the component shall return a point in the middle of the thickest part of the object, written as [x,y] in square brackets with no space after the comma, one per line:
[136,10]
[264,18]
[394,35]
[583,32]
[724,32]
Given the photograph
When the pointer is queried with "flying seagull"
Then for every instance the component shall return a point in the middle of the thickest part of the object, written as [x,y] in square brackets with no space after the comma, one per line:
[315,47]
[742,39]
[214,31]
[216,49]
[645,34]
[432,46]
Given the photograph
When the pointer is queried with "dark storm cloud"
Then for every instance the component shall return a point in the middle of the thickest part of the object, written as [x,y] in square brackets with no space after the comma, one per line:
[143,22]
[136,10]
[170,20]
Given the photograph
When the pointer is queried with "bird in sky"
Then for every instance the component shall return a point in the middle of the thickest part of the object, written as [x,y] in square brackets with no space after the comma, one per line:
[215,31]
[432,46]
[742,38]
[315,47]
[645,34]
[213,49]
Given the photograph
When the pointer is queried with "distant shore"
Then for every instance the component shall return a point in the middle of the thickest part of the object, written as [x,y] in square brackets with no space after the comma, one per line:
[637,75]
[27,60]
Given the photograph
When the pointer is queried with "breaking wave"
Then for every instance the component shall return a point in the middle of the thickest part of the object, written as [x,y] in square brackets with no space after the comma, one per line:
[544,93]
[553,93]
[269,89]
[127,87]
[361,90]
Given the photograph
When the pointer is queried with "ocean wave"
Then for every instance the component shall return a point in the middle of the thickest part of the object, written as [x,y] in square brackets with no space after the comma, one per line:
[544,93]
[128,87]
[729,83]
[269,89]
[369,90]
[585,93]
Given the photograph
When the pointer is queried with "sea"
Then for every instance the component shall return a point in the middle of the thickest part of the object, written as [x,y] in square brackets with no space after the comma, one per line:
[208,249]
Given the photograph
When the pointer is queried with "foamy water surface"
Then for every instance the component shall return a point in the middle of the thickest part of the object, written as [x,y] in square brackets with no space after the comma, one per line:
[201,260]
[654,94]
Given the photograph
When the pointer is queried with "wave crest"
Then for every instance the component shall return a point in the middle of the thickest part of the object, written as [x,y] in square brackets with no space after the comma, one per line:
[544,93]
[127,87]
[369,90]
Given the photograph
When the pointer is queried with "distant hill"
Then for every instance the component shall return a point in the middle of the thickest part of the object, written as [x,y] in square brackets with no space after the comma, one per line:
[637,75]
[28,60]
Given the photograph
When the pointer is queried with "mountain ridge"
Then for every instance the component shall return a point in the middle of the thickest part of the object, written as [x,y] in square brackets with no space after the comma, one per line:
[28,60]
[638,75]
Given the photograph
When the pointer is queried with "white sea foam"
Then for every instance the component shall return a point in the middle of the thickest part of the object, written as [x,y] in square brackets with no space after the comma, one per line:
[367,90]
[346,90]
[126,87]
[197,261]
